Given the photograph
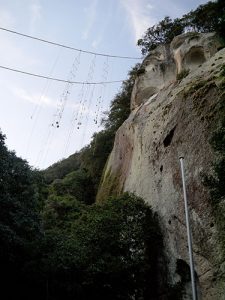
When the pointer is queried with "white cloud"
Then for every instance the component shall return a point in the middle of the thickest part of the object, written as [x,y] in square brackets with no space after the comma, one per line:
[91,15]
[139,16]
[35,14]
[40,100]
[95,43]
[149,6]
[13,55]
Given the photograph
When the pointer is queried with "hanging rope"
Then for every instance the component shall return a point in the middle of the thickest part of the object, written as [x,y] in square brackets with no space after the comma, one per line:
[99,102]
[57,117]
[39,105]
[65,46]
[86,93]
[78,113]
[64,97]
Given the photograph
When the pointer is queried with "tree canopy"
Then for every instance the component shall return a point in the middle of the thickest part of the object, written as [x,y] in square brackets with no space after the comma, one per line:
[206,18]
[105,252]
[20,224]
[67,247]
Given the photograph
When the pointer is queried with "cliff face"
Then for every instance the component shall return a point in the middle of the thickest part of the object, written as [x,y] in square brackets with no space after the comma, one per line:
[174,106]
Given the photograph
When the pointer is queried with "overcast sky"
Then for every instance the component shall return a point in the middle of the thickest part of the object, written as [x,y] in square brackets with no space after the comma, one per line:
[32,108]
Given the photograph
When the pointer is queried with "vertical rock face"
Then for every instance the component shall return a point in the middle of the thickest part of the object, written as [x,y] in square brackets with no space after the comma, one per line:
[171,118]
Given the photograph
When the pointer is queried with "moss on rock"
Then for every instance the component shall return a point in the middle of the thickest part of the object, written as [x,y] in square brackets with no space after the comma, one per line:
[110,186]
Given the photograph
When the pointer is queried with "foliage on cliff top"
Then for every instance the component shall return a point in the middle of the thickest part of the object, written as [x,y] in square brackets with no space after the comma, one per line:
[206,18]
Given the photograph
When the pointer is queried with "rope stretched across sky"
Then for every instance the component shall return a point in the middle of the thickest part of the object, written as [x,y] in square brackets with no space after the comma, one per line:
[65,46]
[57,79]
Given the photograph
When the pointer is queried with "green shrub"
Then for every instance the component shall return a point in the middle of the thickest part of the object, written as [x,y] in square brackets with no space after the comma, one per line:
[184,73]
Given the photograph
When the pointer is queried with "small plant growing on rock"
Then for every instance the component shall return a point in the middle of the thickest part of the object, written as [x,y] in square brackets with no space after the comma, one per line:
[184,73]
[222,73]
[140,71]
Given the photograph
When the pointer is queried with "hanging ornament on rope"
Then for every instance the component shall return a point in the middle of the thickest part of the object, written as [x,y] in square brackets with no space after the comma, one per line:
[80,109]
[102,88]
[66,92]
[55,124]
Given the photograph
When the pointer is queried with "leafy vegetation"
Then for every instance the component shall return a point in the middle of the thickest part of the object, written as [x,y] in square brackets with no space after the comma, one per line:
[68,248]
[161,33]
[206,18]
[61,168]
[105,252]
[57,243]
[20,224]
[76,184]
[120,106]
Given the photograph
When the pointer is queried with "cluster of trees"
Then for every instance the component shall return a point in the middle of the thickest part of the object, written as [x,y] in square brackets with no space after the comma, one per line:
[20,222]
[56,245]
[105,251]
[206,18]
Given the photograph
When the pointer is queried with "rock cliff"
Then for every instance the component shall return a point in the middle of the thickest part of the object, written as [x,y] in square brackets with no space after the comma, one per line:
[174,106]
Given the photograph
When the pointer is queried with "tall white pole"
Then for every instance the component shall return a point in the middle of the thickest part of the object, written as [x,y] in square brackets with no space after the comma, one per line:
[188,232]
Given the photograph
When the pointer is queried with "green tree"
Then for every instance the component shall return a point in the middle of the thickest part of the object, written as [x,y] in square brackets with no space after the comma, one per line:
[120,106]
[109,252]
[61,168]
[206,18]
[94,156]
[161,33]
[77,184]
[20,225]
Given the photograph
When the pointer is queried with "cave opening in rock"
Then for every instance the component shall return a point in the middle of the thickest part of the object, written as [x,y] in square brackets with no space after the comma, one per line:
[183,270]
[168,139]
[195,56]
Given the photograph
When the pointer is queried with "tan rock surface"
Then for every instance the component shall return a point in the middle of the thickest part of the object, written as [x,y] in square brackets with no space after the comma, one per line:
[172,119]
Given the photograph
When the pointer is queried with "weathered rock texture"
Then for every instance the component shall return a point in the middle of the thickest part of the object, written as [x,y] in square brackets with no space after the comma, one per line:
[161,66]
[170,118]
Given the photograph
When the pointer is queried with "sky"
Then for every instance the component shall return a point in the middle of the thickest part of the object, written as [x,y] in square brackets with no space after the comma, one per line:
[44,120]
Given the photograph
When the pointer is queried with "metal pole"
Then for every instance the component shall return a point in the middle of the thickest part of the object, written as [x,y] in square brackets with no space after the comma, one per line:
[188,233]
